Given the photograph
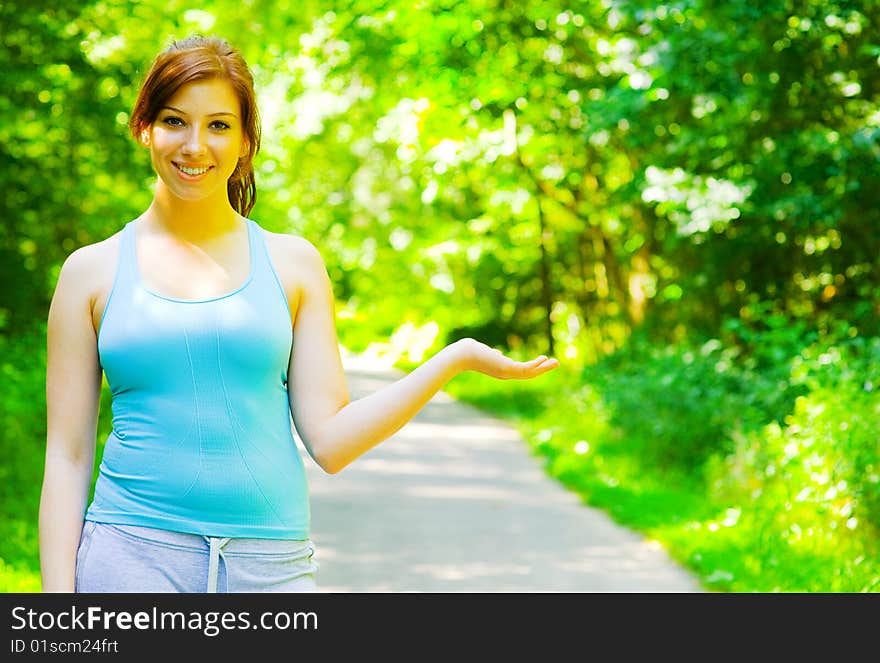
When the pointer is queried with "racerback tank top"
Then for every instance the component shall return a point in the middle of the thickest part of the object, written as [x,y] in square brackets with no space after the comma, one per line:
[202,440]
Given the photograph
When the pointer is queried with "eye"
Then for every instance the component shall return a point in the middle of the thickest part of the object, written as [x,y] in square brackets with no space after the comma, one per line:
[217,124]
[173,121]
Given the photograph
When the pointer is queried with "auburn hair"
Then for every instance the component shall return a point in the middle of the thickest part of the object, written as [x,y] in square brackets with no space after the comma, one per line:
[199,58]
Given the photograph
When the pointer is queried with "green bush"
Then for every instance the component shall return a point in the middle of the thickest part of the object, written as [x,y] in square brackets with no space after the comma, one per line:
[681,406]
[23,440]
[822,461]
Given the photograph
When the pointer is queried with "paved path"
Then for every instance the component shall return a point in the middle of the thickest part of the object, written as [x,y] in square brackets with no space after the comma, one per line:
[455,502]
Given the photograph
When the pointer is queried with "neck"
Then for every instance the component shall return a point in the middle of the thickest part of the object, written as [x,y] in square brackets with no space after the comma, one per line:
[192,220]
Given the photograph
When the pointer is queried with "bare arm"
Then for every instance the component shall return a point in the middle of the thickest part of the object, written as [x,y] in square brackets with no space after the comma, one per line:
[337,431]
[73,386]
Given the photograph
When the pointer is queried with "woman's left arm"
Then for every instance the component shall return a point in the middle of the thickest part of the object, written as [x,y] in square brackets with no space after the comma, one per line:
[336,430]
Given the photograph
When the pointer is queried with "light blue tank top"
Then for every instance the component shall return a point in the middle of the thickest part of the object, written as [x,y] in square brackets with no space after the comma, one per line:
[202,439]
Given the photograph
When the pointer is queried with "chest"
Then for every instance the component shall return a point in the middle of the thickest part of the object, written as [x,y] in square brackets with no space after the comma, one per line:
[164,346]
[189,272]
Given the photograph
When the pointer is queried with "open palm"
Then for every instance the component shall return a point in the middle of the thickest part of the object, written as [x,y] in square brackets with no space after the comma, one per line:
[484,359]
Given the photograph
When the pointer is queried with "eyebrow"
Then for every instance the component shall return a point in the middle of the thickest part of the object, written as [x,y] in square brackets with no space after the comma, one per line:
[177,110]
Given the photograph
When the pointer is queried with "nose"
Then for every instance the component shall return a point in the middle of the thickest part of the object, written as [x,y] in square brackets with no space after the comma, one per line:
[194,142]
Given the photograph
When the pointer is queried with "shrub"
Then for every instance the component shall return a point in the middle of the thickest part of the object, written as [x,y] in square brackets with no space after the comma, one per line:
[683,405]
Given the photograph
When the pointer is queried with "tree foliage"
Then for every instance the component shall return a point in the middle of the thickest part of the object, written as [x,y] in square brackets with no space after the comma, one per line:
[542,170]
[536,173]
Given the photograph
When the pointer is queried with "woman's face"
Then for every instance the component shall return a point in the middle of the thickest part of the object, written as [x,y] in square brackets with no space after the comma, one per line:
[197,139]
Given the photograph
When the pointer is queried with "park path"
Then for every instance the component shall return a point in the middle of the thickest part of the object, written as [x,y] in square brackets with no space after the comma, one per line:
[456,502]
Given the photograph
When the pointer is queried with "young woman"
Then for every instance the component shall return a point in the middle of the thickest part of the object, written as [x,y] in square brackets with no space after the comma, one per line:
[212,333]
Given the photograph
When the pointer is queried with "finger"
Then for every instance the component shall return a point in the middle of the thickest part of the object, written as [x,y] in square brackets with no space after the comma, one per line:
[546,364]
[529,369]
[549,365]
[525,368]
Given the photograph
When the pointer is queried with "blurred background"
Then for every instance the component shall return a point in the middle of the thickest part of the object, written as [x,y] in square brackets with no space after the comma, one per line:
[678,200]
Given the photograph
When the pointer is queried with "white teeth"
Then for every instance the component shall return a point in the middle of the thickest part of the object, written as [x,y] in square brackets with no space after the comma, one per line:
[192,171]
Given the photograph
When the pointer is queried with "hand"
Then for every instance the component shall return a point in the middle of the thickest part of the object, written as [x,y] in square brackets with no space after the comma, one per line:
[477,356]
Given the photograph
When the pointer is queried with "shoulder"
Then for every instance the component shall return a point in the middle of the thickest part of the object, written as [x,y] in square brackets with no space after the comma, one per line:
[300,269]
[87,269]
[91,255]
[295,258]
[293,247]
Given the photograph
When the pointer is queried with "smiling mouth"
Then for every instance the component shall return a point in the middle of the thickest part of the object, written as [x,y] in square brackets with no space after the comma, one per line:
[191,171]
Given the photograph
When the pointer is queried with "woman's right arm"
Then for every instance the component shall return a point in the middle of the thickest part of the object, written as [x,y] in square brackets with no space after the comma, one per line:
[73,388]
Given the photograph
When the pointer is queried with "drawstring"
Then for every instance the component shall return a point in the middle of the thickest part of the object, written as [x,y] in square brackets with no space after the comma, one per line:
[215,554]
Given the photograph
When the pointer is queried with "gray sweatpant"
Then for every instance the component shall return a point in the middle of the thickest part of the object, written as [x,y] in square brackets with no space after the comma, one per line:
[126,558]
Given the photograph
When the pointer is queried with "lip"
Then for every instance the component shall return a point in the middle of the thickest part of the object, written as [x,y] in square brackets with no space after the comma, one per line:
[187,176]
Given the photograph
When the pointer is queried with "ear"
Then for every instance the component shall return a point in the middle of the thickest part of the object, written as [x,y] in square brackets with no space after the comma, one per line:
[145,137]
[245,148]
